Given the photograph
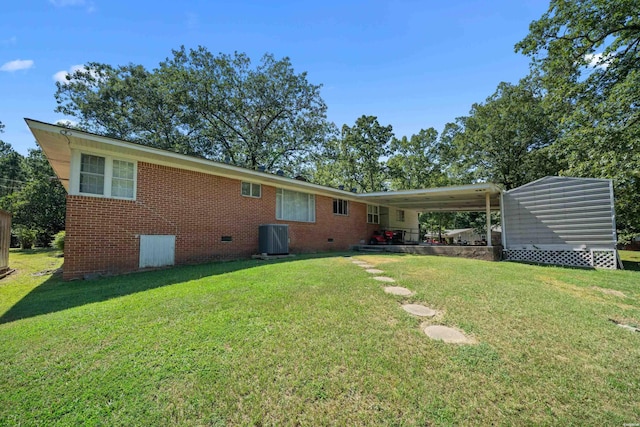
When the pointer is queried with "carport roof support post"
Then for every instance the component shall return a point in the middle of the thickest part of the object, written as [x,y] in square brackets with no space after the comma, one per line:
[488,208]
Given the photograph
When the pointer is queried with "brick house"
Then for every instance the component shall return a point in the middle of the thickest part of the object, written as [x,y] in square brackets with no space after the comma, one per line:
[124,199]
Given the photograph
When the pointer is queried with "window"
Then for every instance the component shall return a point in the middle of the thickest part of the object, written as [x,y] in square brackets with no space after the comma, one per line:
[250,189]
[122,179]
[105,176]
[399,215]
[295,206]
[340,207]
[373,214]
[92,174]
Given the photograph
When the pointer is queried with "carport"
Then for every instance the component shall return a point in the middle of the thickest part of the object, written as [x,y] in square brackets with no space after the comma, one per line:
[483,197]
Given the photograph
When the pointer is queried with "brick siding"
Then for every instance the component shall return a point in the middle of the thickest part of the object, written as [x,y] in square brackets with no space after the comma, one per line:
[103,234]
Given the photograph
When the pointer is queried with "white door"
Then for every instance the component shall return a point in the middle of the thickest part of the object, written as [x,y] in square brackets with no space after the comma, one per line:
[157,250]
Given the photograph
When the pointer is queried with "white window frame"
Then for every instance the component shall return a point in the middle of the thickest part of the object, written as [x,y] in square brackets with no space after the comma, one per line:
[341,207]
[280,206]
[74,179]
[400,215]
[252,186]
[373,214]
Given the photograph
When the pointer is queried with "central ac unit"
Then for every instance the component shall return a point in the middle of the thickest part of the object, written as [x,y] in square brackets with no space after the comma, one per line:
[273,239]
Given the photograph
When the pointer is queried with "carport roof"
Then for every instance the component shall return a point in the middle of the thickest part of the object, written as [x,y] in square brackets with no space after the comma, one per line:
[469,198]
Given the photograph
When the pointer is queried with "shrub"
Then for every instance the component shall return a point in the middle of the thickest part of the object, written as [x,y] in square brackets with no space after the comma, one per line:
[58,241]
[26,236]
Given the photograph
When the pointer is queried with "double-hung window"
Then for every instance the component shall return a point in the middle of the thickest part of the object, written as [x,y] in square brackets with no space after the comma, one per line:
[340,207]
[399,215]
[92,174]
[373,214]
[105,176]
[295,206]
[122,182]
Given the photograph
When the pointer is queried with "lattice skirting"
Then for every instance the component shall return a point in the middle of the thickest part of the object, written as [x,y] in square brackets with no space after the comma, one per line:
[599,258]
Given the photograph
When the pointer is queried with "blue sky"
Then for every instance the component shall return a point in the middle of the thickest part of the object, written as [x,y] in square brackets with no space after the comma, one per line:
[413,64]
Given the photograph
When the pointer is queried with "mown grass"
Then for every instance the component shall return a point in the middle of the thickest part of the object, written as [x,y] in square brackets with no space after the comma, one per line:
[316,341]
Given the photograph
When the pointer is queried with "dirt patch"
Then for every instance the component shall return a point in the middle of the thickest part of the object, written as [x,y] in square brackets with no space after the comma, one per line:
[631,326]
[381,259]
[609,291]
[47,272]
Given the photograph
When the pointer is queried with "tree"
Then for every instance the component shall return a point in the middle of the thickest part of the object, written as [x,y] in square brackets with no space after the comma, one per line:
[38,207]
[11,168]
[218,107]
[415,162]
[586,55]
[356,158]
[506,140]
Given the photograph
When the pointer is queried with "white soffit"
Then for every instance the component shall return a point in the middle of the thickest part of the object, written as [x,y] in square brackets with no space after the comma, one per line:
[446,199]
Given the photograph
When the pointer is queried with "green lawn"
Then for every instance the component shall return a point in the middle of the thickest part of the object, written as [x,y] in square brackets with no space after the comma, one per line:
[316,341]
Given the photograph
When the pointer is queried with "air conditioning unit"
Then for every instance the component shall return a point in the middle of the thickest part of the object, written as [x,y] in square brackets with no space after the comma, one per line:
[273,239]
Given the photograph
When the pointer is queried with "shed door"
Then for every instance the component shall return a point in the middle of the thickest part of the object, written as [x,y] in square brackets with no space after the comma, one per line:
[157,250]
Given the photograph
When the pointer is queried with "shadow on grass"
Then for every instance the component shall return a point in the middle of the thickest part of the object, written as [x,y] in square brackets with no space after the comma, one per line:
[34,251]
[631,265]
[56,295]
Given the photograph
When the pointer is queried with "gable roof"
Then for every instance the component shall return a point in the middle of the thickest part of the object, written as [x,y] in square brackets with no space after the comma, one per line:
[58,141]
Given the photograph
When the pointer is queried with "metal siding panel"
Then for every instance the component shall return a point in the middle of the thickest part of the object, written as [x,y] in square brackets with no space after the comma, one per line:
[157,250]
[570,211]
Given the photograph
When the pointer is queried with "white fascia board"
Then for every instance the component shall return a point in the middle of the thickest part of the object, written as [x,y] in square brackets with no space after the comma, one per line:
[469,188]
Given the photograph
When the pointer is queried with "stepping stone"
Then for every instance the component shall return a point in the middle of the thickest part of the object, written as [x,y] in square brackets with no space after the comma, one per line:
[447,334]
[374,271]
[419,310]
[357,261]
[398,290]
[365,265]
[384,279]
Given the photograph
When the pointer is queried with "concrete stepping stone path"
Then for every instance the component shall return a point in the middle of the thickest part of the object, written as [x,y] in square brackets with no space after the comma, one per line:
[398,290]
[384,279]
[419,310]
[374,271]
[447,334]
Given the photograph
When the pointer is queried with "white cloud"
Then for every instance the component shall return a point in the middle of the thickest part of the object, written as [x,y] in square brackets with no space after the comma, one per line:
[18,64]
[596,60]
[61,76]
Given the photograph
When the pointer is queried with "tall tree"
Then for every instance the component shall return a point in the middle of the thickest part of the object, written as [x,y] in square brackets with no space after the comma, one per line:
[586,53]
[415,161]
[11,168]
[219,107]
[356,158]
[40,202]
[506,139]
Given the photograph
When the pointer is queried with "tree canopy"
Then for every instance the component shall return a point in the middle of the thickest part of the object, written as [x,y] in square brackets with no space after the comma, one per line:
[504,140]
[31,193]
[586,56]
[218,107]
